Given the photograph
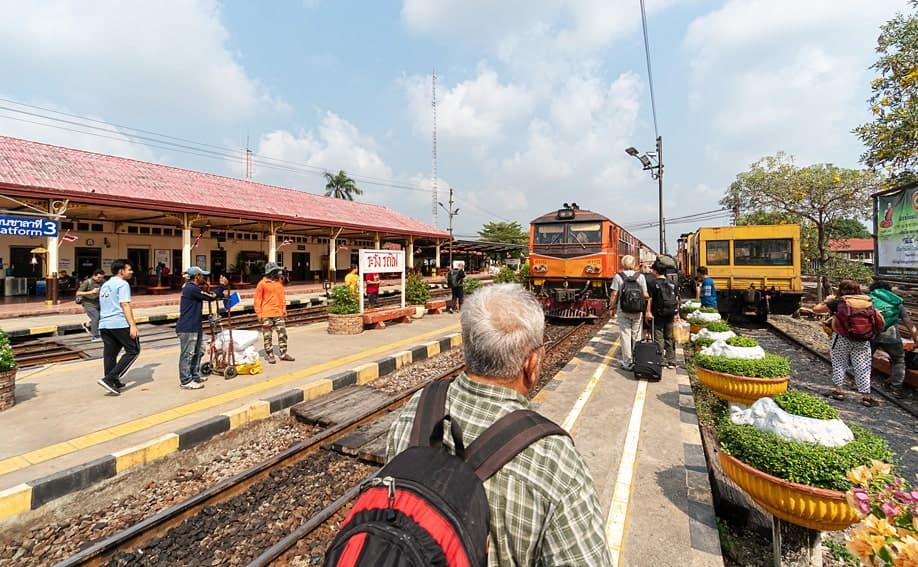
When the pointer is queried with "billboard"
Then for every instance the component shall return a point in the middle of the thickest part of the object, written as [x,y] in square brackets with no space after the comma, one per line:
[897,233]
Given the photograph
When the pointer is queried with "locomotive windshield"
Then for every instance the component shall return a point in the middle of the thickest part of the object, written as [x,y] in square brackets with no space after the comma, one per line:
[549,234]
[585,233]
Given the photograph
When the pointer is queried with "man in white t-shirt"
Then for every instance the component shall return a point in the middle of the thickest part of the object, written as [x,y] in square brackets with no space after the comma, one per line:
[117,326]
[629,301]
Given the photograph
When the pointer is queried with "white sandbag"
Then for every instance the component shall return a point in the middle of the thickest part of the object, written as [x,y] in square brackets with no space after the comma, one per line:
[717,336]
[247,356]
[242,339]
[704,316]
[765,415]
[694,305]
[721,348]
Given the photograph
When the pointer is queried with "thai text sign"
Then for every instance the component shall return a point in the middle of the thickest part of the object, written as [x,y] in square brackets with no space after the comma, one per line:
[382,261]
[27,226]
[897,233]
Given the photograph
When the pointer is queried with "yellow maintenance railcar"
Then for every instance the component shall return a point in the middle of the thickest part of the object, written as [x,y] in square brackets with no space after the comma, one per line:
[755,268]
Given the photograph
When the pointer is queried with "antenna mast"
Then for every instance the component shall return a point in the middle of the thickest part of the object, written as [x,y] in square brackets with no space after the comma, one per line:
[434,197]
[248,159]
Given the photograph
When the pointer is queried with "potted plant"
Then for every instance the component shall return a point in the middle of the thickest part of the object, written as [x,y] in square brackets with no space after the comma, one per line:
[7,373]
[702,342]
[470,285]
[887,507]
[743,380]
[801,483]
[416,294]
[344,316]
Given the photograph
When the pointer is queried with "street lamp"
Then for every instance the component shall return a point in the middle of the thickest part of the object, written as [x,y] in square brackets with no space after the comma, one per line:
[451,212]
[653,162]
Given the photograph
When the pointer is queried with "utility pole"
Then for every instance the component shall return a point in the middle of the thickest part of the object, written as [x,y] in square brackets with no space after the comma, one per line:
[660,182]
[451,212]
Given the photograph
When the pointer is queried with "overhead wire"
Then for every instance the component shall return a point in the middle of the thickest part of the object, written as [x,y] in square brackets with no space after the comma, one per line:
[653,100]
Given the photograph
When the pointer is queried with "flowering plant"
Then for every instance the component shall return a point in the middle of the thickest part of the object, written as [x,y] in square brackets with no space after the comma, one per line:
[888,507]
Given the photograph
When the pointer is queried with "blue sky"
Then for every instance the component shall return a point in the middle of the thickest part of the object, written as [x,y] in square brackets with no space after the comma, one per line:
[536,99]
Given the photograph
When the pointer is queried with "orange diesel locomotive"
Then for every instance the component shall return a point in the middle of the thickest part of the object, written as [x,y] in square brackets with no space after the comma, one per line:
[573,256]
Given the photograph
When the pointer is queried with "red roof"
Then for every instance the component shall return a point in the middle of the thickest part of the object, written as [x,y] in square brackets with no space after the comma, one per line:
[851,245]
[37,169]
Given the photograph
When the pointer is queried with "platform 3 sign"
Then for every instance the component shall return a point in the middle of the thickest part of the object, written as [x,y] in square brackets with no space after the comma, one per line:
[27,226]
[897,233]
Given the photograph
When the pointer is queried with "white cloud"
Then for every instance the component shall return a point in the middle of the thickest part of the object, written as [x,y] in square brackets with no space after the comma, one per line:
[169,57]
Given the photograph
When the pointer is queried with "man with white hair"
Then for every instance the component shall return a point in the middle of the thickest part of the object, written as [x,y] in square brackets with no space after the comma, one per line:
[543,504]
[629,300]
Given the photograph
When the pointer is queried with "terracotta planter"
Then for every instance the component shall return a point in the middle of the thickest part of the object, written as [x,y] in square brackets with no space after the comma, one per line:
[813,508]
[8,388]
[350,324]
[741,389]
[695,328]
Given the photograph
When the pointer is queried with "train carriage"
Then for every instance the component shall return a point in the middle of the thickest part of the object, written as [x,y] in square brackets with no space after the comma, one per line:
[755,268]
[573,256]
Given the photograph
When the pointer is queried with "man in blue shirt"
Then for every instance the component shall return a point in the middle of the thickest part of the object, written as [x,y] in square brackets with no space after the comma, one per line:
[189,329]
[117,326]
[707,293]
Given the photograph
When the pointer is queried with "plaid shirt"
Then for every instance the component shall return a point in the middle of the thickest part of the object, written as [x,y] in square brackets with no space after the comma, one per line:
[544,509]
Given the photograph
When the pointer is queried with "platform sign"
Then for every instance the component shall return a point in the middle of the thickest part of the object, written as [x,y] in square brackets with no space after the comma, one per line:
[28,226]
[897,233]
[380,262]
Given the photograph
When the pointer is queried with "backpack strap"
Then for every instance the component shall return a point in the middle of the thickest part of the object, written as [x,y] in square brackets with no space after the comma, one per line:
[427,430]
[506,438]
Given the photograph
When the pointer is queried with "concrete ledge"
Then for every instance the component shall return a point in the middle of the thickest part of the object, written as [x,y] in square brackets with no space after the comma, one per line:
[34,494]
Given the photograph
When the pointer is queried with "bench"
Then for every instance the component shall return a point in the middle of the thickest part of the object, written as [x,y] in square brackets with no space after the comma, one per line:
[435,307]
[158,289]
[377,317]
[881,365]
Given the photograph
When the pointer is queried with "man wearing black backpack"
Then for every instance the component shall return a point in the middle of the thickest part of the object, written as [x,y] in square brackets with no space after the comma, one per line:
[664,304]
[542,504]
[629,300]
[455,279]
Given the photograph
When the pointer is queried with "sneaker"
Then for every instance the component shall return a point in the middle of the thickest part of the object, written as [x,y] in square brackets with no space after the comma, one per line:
[119,384]
[900,393]
[286,357]
[628,367]
[270,358]
[671,365]
[87,329]
[192,385]
[201,379]
[112,388]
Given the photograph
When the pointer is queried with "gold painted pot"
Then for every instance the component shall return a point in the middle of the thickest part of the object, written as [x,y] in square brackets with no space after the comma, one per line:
[696,328]
[741,389]
[813,508]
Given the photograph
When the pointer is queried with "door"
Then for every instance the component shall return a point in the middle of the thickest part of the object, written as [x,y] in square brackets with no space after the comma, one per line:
[140,261]
[299,271]
[88,260]
[21,265]
[217,264]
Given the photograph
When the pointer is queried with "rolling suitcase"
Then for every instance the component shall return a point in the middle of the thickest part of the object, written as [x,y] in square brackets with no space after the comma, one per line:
[648,359]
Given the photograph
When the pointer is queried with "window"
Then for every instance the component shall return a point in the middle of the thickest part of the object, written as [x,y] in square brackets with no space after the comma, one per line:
[770,252]
[585,233]
[549,233]
[717,252]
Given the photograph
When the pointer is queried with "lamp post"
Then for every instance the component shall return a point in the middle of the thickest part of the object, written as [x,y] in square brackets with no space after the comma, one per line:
[451,212]
[653,162]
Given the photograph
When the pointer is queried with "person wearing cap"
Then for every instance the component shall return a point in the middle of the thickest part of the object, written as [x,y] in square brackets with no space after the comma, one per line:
[188,327]
[271,310]
[117,326]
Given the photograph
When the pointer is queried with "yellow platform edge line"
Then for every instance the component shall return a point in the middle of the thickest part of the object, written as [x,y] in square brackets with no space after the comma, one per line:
[16,500]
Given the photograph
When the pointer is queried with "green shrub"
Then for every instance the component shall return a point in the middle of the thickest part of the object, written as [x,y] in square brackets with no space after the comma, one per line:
[7,358]
[524,271]
[719,326]
[696,321]
[506,275]
[772,366]
[799,403]
[803,463]
[709,310]
[470,285]
[703,342]
[416,290]
[739,341]
[343,301]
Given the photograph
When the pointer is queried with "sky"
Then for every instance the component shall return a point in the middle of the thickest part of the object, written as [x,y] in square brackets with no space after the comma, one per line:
[536,99]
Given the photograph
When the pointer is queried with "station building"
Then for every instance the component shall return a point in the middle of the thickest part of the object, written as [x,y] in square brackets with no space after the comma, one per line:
[109,207]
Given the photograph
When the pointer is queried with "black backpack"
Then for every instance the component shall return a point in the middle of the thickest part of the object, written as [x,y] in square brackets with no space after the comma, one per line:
[665,301]
[631,296]
[427,506]
[454,278]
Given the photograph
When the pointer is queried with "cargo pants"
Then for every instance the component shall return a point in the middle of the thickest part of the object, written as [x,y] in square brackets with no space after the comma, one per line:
[268,325]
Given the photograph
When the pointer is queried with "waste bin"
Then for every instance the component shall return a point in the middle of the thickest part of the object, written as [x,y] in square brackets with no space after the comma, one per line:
[40,287]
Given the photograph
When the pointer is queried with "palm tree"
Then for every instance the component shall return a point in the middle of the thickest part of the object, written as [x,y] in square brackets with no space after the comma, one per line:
[341,186]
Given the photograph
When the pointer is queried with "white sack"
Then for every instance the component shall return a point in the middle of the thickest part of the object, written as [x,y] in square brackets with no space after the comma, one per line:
[717,336]
[704,316]
[691,304]
[721,348]
[765,415]
[248,356]
[242,339]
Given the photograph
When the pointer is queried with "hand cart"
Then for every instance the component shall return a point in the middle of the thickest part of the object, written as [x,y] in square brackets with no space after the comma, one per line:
[220,360]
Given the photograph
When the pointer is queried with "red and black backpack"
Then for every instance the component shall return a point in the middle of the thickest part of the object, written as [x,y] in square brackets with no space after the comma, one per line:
[858,323]
[427,507]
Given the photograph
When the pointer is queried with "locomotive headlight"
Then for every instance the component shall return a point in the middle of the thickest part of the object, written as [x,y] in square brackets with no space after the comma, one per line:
[540,268]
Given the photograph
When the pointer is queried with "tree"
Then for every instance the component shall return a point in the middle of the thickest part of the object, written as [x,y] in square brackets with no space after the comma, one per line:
[890,139]
[821,194]
[849,228]
[509,232]
[340,186]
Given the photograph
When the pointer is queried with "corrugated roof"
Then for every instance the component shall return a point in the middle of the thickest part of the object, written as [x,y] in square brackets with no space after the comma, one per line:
[40,169]
[851,245]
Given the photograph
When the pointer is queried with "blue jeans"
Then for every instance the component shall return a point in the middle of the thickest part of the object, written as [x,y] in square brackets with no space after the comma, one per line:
[190,356]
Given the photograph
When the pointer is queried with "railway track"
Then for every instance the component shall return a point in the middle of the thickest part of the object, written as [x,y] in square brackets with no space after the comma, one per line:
[49,350]
[236,493]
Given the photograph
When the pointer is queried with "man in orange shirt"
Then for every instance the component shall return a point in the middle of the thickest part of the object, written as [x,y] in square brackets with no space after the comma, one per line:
[271,309]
